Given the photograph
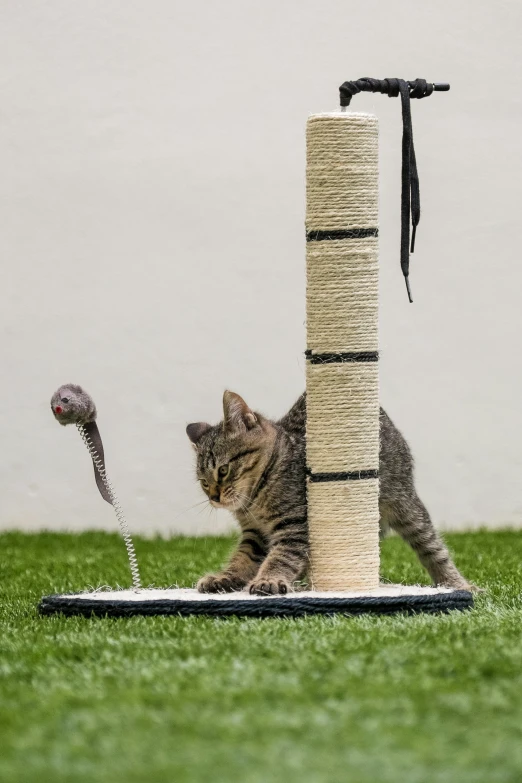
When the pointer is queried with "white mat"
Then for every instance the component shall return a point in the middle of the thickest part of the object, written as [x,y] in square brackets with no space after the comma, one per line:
[189,594]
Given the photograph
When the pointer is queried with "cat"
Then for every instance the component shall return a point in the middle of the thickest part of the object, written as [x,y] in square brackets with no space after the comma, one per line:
[256,468]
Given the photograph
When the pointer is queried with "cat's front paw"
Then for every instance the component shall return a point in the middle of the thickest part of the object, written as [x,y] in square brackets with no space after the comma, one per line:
[269,586]
[220,583]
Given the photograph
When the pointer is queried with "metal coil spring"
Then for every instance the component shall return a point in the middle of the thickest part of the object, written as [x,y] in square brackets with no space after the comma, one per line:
[98,463]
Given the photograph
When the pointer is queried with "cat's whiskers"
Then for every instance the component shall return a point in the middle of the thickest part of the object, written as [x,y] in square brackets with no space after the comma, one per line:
[244,508]
[248,501]
[190,508]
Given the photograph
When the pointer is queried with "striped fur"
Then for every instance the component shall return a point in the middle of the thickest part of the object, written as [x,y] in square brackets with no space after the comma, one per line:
[256,468]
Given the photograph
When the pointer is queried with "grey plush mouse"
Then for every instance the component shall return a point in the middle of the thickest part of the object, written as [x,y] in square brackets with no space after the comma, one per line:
[71,404]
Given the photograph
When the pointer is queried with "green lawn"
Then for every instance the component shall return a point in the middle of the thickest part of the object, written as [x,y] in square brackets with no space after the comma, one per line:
[402,699]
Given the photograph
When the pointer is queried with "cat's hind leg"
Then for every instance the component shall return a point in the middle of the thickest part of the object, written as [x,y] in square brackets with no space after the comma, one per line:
[408,516]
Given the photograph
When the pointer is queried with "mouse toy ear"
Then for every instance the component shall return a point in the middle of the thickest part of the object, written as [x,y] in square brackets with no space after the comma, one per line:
[196,431]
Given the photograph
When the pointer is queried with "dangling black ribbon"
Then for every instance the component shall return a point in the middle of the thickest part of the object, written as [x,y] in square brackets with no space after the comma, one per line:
[410,195]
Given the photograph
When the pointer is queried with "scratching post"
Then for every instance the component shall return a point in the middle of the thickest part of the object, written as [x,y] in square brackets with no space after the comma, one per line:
[342,379]
[342,390]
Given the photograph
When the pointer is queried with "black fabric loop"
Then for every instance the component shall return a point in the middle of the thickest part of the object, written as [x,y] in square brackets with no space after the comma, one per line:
[410,193]
[418,88]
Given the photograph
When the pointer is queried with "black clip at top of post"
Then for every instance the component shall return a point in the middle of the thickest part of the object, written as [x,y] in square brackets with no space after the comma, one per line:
[410,195]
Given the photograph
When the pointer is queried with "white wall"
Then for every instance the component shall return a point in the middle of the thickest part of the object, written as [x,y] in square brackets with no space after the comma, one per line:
[152,239]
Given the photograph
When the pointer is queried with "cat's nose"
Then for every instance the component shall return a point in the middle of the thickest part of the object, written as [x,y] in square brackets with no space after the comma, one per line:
[215,496]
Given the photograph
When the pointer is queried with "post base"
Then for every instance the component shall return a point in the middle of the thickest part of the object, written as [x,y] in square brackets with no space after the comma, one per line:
[387,599]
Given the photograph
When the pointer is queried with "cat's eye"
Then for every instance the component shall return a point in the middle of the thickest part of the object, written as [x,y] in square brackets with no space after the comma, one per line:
[204,483]
[223,470]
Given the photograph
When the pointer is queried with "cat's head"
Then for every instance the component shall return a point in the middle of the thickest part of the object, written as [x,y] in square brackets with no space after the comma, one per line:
[232,455]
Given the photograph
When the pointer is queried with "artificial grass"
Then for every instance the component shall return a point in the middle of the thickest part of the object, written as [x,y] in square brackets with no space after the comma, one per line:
[314,700]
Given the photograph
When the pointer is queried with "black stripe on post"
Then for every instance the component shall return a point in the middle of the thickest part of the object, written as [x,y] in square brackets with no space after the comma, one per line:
[339,358]
[349,233]
[345,476]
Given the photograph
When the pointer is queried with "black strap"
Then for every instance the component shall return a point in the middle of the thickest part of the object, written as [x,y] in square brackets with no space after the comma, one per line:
[410,195]
[92,431]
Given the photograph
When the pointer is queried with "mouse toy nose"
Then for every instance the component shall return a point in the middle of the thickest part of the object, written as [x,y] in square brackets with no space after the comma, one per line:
[58,409]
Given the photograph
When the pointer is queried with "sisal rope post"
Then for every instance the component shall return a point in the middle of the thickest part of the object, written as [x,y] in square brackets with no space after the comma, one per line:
[342,351]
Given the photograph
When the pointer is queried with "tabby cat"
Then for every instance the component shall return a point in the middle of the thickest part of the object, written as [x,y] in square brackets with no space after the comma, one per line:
[256,469]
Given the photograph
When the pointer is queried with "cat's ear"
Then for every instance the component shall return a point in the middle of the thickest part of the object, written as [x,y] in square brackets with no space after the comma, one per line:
[237,415]
[196,431]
